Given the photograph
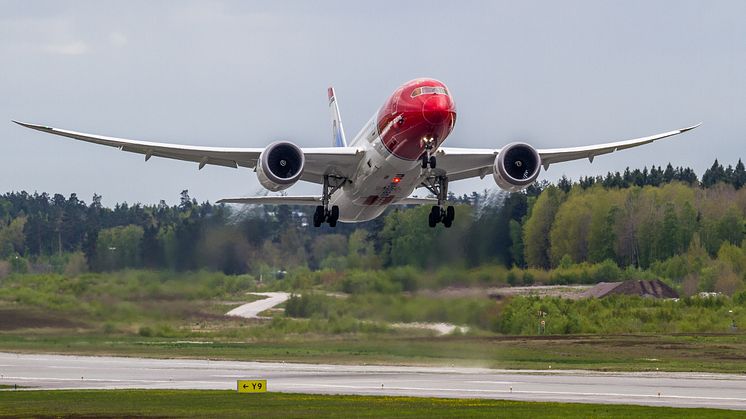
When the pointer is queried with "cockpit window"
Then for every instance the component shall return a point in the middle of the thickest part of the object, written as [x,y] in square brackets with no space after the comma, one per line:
[424,90]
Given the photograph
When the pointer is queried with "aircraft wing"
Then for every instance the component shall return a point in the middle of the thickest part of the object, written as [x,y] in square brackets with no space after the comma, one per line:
[341,161]
[464,163]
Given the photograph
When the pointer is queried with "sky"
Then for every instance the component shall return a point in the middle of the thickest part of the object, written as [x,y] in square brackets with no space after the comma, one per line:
[247,73]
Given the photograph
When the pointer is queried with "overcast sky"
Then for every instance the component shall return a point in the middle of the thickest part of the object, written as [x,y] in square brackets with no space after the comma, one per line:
[248,73]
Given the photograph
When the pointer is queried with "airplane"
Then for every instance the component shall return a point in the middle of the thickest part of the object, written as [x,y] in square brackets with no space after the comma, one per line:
[398,150]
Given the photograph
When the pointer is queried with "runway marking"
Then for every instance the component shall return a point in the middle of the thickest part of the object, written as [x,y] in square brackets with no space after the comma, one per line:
[112,380]
[496,382]
[564,393]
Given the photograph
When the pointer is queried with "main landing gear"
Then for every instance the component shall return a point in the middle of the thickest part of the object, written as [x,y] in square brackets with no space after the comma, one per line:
[323,213]
[438,186]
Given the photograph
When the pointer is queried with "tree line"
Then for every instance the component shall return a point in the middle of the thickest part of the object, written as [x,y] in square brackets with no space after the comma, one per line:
[640,218]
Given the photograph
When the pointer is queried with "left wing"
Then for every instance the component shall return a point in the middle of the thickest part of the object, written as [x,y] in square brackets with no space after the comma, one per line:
[464,163]
[341,161]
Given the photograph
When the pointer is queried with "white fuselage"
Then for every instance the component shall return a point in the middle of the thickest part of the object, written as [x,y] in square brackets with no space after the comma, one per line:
[374,177]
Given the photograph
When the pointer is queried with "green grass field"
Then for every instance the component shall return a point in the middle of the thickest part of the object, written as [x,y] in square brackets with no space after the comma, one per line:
[181,315]
[190,403]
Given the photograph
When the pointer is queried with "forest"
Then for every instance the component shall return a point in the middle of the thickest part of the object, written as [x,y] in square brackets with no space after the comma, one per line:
[659,222]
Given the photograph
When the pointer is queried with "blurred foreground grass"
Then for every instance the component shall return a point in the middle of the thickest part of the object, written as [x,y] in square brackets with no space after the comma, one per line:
[189,403]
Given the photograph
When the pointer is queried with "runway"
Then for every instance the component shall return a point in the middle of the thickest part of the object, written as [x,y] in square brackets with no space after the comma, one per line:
[654,388]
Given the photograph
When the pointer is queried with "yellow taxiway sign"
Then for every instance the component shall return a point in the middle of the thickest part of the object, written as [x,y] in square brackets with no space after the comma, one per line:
[251,386]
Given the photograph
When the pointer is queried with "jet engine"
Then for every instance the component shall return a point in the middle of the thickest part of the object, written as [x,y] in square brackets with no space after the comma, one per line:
[280,165]
[516,167]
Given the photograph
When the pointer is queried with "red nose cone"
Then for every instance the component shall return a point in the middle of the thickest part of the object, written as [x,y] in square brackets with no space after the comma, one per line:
[436,109]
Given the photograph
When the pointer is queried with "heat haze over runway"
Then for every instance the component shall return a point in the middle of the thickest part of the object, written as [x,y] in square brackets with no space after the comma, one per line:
[86,372]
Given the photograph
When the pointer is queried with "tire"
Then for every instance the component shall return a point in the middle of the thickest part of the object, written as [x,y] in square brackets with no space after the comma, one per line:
[447,222]
[450,214]
[334,216]
[424,161]
[434,217]
[431,220]
[318,216]
[332,223]
[432,162]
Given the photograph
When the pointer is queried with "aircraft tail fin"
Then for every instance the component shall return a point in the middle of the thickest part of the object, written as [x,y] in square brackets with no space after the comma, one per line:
[338,132]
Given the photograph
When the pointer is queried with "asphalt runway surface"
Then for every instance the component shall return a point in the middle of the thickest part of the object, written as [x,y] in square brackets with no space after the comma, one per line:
[653,388]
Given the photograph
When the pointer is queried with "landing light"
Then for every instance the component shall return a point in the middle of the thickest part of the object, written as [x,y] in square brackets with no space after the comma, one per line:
[396,179]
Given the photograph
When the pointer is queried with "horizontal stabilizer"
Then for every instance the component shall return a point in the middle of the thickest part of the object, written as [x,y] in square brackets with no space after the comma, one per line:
[416,201]
[311,200]
[275,200]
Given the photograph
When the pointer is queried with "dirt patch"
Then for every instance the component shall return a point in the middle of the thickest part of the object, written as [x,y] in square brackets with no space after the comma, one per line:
[14,319]
[499,293]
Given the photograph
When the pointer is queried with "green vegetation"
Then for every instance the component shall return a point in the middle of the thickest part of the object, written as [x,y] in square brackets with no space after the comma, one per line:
[183,403]
[163,314]
[192,305]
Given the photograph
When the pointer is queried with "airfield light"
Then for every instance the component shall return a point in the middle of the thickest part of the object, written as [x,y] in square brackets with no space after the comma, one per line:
[396,179]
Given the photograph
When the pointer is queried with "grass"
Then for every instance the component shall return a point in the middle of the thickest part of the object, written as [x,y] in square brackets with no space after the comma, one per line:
[706,353]
[188,403]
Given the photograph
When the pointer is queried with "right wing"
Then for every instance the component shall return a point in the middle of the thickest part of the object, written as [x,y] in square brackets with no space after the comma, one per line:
[464,163]
[341,161]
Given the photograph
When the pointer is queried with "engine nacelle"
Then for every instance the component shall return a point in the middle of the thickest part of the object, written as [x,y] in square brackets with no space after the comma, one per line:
[516,167]
[280,165]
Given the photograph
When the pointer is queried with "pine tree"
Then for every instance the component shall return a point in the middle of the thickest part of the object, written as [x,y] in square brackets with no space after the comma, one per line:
[739,175]
[713,175]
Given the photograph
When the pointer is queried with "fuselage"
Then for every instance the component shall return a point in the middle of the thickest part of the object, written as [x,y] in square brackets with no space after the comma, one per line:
[418,114]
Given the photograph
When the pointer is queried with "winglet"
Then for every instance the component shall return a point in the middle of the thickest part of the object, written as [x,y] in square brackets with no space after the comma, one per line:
[689,128]
[33,126]
[338,132]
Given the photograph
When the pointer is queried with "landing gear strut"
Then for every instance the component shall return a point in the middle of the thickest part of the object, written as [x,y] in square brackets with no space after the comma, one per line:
[323,213]
[438,186]
[427,158]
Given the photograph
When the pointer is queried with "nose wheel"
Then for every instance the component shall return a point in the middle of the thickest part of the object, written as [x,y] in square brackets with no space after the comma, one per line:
[323,213]
[428,159]
[440,213]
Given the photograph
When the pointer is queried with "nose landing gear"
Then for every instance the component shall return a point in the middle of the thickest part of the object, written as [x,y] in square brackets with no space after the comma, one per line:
[438,186]
[428,161]
[427,158]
